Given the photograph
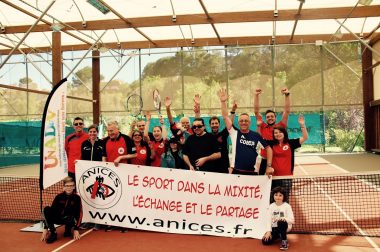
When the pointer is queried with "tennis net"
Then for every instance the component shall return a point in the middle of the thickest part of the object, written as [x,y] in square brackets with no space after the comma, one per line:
[343,204]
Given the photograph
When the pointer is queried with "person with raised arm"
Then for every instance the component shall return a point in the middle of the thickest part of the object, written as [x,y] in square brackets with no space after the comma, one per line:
[266,129]
[245,143]
[140,126]
[221,136]
[283,148]
[160,138]
[183,131]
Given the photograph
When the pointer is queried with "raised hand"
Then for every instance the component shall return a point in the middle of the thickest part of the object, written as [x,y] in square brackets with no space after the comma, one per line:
[148,116]
[223,96]
[301,120]
[168,101]
[258,91]
[234,106]
[197,99]
[285,91]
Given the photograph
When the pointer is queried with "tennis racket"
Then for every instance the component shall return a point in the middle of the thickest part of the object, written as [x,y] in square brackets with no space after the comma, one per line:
[134,105]
[102,127]
[157,101]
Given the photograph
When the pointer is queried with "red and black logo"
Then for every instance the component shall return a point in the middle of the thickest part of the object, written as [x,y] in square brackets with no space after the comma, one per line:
[100,187]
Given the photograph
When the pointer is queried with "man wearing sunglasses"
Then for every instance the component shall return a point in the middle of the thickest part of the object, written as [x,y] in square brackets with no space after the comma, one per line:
[73,145]
[221,136]
[201,149]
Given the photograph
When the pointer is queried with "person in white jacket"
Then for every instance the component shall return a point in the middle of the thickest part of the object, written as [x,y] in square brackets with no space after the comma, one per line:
[281,219]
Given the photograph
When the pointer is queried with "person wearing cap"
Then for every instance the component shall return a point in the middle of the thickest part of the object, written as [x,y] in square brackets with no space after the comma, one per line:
[173,157]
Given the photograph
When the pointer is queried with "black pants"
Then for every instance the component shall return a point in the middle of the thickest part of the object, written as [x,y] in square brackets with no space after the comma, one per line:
[52,218]
[263,166]
[278,232]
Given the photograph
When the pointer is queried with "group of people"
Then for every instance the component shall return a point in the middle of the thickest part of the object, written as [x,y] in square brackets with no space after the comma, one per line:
[268,151]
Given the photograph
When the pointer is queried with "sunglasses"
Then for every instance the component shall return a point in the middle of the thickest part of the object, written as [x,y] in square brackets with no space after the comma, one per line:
[197,126]
[137,135]
[78,124]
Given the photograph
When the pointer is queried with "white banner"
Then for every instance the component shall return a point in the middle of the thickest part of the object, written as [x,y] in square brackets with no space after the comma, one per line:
[53,155]
[174,201]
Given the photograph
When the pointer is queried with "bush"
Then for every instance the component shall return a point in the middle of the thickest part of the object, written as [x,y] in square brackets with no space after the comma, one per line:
[346,139]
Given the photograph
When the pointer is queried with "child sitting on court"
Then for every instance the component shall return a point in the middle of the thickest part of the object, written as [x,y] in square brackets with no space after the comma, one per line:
[66,209]
[281,221]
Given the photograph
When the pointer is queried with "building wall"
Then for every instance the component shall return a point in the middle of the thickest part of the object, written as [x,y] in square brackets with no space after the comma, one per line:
[376,73]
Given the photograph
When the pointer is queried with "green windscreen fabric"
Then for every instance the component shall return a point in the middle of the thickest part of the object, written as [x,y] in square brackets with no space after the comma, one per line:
[314,124]
[20,142]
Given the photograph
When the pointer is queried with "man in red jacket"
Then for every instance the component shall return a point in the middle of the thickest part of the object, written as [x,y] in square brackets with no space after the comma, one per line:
[73,143]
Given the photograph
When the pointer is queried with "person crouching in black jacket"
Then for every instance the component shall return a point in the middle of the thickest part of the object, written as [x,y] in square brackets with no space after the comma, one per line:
[66,209]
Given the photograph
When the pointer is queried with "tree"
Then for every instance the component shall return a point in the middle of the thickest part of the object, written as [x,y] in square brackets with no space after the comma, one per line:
[27,83]
[85,75]
[25,80]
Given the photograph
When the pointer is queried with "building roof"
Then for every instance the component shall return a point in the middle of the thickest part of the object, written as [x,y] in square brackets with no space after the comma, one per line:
[133,24]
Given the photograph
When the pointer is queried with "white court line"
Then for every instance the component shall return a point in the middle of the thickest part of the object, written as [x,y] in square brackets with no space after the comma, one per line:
[338,168]
[18,189]
[71,241]
[369,184]
[370,241]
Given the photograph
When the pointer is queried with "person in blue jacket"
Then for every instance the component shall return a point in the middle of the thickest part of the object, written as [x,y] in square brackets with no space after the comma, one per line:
[173,158]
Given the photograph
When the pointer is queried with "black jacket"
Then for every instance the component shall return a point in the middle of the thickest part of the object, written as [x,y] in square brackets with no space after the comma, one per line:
[68,206]
[92,152]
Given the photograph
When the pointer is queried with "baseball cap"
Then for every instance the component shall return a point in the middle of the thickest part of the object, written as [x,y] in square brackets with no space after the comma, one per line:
[174,139]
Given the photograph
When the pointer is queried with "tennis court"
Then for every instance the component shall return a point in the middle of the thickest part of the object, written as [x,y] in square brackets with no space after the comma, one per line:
[327,198]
